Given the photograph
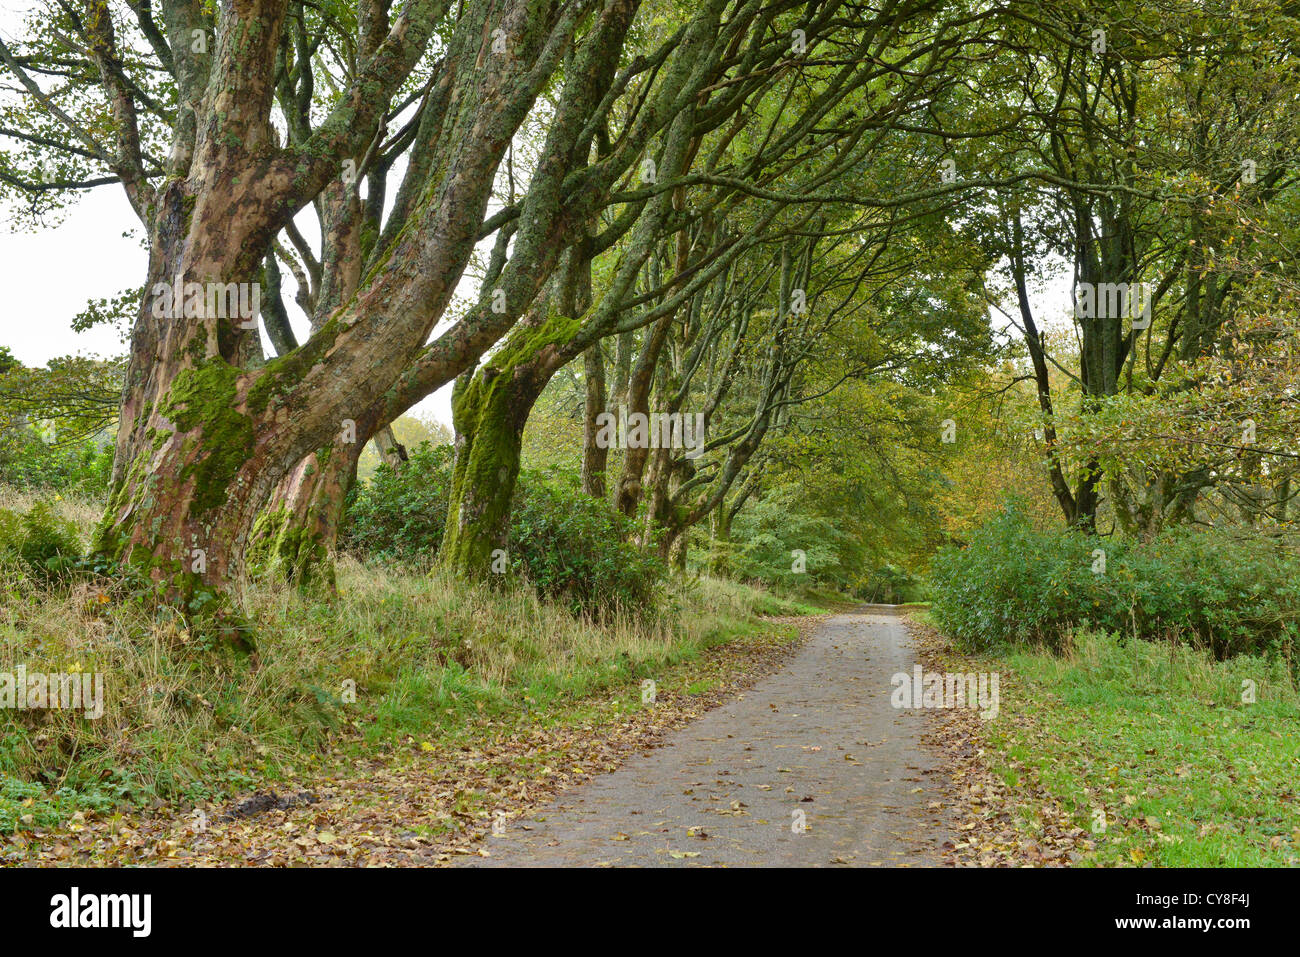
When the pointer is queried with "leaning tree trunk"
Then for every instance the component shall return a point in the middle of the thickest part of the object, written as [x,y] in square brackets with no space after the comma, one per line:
[490,408]
[391,451]
[296,537]
[489,436]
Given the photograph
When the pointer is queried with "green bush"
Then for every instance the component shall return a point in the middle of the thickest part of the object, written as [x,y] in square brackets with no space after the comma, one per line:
[570,546]
[1226,589]
[768,535]
[400,514]
[27,462]
[44,544]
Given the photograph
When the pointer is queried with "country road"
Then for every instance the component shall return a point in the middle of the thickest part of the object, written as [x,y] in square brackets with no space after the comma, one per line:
[810,767]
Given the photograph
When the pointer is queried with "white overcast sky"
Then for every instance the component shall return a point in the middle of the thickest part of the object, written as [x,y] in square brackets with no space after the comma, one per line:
[49,276]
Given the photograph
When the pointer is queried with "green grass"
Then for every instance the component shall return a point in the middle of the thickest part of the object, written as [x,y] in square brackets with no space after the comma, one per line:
[1161,740]
[768,604]
[429,658]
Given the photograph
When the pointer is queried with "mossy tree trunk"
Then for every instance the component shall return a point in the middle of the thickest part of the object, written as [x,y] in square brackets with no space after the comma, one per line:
[1146,504]
[207,435]
[490,408]
[296,538]
[680,550]
[184,506]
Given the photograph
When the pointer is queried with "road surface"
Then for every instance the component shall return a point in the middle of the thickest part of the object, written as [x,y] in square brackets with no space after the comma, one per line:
[811,767]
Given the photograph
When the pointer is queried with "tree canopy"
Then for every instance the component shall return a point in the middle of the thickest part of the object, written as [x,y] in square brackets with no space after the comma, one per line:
[821,230]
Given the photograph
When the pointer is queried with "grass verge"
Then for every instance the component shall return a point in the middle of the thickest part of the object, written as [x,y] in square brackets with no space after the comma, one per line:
[395,658]
[1159,754]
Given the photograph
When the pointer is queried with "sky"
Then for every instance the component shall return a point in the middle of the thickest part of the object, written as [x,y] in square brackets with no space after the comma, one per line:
[49,276]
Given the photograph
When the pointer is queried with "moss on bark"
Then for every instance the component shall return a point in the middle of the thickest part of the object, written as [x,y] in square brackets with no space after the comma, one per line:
[203,399]
[281,545]
[489,410]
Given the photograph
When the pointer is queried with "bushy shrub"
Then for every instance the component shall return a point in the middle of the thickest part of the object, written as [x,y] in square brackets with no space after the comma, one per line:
[400,514]
[570,546]
[1229,590]
[41,542]
[27,462]
[768,533]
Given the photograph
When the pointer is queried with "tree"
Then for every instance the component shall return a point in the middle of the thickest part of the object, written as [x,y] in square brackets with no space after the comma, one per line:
[1161,136]
[208,429]
[768,137]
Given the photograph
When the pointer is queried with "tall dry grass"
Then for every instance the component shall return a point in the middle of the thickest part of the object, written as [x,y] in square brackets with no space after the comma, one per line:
[423,654]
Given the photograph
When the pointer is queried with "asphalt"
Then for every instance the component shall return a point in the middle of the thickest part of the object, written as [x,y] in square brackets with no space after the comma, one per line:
[811,767]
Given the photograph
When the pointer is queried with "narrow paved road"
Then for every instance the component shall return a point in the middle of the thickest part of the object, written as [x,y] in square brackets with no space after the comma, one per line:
[816,744]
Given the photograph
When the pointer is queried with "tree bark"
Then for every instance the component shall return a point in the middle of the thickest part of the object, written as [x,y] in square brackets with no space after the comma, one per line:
[595,455]
[296,537]
[490,408]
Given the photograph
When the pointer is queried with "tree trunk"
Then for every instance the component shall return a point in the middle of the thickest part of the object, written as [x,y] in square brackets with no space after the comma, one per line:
[488,439]
[721,563]
[391,451]
[595,456]
[296,537]
[490,408]
[680,549]
[634,459]
[193,527]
